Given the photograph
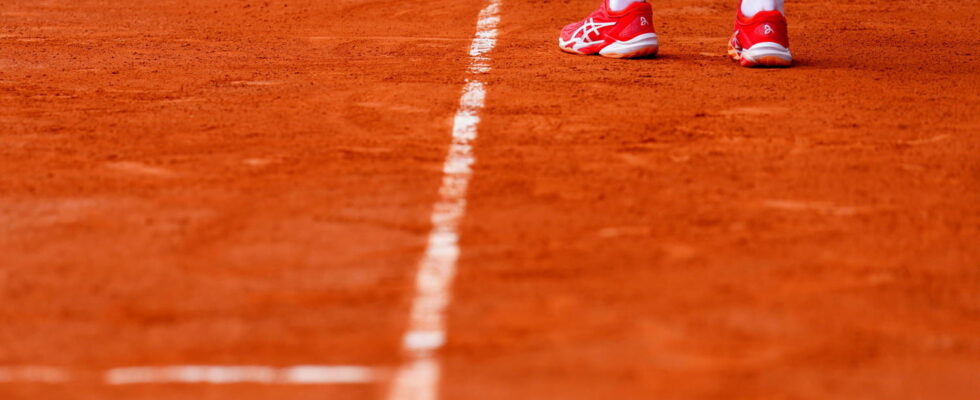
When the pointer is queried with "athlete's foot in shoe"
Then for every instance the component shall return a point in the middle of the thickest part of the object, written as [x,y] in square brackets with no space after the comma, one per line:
[626,33]
[761,40]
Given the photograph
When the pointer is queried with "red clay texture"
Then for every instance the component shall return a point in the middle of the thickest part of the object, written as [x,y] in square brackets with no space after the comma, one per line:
[240,182]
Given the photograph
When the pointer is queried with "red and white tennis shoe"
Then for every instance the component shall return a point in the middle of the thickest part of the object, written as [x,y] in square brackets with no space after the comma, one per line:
[761,41]
[618,34]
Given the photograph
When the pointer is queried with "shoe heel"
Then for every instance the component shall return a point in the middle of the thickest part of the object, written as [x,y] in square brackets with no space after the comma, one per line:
[766,54]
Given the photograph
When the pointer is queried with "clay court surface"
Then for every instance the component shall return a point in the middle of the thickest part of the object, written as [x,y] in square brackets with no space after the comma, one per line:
[248,182]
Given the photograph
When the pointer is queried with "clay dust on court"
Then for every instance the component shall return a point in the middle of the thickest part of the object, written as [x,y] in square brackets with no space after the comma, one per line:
[251,183]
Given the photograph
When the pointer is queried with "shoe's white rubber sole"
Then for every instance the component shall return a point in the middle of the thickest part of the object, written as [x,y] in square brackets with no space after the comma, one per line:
[765,54]
[645,45]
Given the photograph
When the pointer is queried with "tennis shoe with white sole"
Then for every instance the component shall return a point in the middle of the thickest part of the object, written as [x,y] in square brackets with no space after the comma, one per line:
[617,34]
[761,41]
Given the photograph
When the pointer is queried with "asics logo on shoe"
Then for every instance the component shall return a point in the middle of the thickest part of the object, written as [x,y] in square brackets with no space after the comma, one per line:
[590,27]
[644,22]
[581,38]
[767,29]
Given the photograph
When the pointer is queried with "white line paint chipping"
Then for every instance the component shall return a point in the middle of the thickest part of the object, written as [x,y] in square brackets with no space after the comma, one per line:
[418,378]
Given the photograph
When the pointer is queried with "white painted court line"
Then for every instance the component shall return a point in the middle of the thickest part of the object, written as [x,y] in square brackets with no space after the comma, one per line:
[298,375]
[418,378]
[201,374]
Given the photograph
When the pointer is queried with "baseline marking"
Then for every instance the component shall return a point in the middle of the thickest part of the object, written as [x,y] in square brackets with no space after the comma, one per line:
[197,374]
[298,375]
[418,378]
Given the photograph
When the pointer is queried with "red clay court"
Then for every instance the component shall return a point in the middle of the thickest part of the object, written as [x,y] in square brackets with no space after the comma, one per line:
[428,200]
